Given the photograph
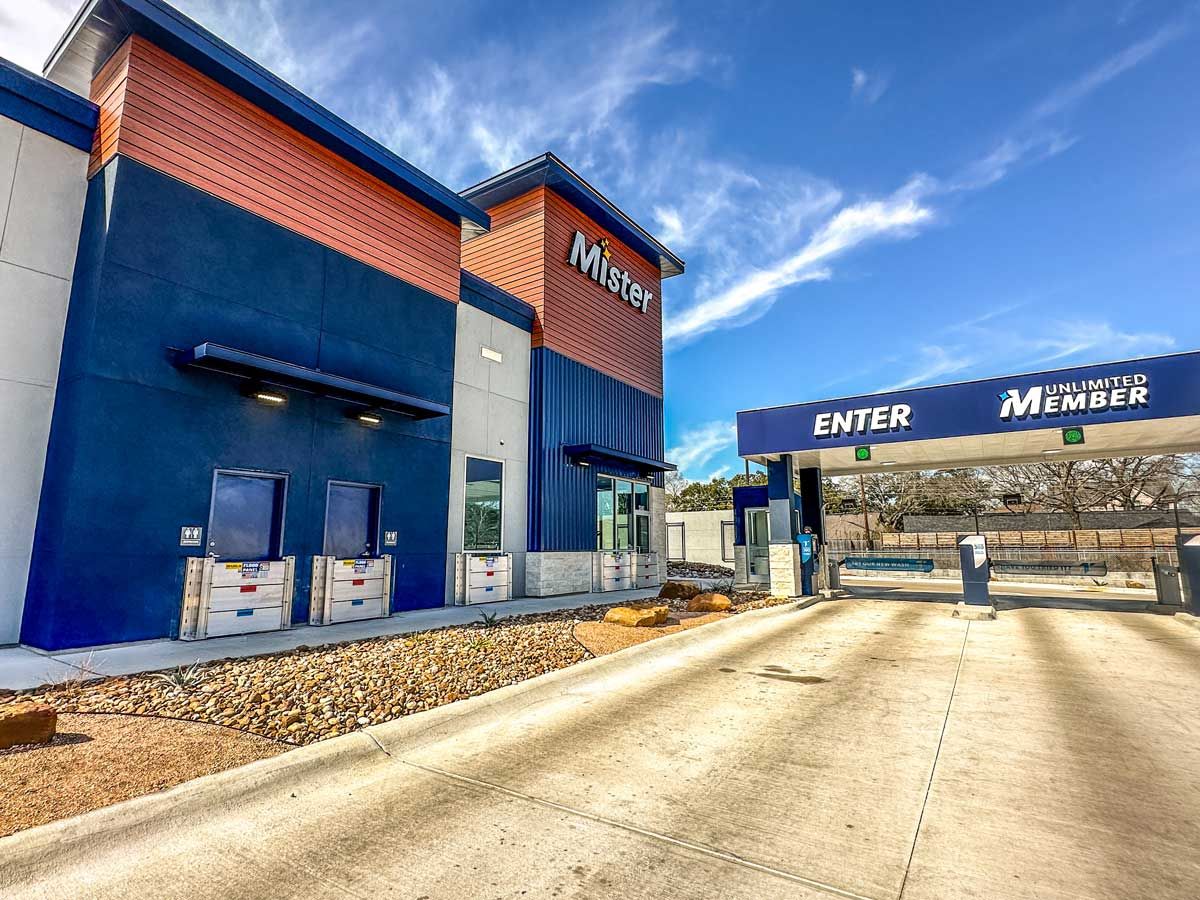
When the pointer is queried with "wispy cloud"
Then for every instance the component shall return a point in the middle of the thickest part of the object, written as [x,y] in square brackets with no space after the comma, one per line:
[698,446]
[1072,93]
[979,345]
[30,29]
[932,363]
[868,87]
[570,92]
[749,297]
[308,49]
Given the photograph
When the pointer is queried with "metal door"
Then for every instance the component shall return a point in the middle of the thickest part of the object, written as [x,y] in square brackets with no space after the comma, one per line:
[758,546]
[245,521]
[676,542]
[351,520]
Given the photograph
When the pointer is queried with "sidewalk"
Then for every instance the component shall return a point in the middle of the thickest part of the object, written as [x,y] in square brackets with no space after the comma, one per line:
[22,667]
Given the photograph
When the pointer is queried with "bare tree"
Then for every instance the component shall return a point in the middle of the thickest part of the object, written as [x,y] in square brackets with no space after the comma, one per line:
[1075,486]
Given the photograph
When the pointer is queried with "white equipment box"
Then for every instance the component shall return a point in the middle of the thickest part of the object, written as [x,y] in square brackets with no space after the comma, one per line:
[346,590]
[613,570]
[226,598]
[482,578]
[646,572]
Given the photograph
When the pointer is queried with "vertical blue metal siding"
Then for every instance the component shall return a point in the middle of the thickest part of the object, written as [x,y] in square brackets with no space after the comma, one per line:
[571,403]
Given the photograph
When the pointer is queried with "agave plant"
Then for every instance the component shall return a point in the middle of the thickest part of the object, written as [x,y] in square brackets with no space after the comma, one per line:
[181,679]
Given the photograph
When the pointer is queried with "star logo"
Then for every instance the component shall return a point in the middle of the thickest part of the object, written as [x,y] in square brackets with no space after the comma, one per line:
[603,242]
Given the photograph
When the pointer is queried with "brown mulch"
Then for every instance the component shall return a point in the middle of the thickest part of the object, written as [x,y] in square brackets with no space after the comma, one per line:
[96,760]
[603,637]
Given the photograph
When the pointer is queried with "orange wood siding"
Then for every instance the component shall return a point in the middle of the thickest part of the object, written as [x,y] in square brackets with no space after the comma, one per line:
[526,254]
[163,113]
[510,256]
[588,323]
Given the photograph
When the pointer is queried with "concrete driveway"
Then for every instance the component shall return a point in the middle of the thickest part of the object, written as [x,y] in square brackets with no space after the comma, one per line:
[857,748]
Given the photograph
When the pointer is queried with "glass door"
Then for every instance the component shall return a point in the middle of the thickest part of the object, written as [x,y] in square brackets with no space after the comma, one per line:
[758,546]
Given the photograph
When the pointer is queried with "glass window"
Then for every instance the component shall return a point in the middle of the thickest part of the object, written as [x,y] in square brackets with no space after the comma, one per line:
[643,533]
[624,515]
[604,513]
[641,496]
[481,528]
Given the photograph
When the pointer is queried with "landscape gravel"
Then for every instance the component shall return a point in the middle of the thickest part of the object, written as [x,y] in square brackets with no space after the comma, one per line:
[309,694]
[697,570]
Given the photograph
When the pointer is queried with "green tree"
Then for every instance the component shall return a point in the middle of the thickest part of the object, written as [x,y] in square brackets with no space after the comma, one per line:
[696,496]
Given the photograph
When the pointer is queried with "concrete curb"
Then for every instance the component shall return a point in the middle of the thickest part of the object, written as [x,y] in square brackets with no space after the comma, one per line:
[33,854]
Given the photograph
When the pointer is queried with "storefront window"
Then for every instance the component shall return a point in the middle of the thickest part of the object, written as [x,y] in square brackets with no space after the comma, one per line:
[485,481]
[622,514]
[641,496]
[641,513]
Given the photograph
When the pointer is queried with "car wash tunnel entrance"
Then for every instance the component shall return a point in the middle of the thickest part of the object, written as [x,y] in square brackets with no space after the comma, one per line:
[1132,408]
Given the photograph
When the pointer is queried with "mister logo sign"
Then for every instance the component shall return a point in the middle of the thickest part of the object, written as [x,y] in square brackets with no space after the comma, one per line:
[594,262]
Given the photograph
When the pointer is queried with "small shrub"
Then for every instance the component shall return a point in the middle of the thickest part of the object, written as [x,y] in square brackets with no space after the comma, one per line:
[181,679]
[488,619]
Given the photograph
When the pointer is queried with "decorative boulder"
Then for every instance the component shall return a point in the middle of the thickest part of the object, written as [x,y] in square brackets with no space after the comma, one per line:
[709,603]
[632,618]
[26,723]
[660,611]
[678,590]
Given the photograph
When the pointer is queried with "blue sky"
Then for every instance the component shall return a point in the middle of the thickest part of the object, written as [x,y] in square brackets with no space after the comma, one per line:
[867,195]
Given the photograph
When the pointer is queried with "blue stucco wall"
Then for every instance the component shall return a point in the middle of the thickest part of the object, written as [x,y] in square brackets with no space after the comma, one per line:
[752,496]
[571,403]
[135,440]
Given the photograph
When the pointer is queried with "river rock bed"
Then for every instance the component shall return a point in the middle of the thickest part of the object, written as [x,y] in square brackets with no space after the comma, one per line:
[697,570]
[309,694]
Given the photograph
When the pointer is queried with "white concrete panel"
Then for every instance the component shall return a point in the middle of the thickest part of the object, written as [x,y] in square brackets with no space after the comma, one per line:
[510,378]
[458,470]
[24,428]
[474,331]
[33,311]
[14,573]
[469,430]
[508,422]
[46,207]
[516,506]
[10,141]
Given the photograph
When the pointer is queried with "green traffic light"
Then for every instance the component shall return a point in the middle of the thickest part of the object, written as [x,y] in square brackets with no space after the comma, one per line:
[1072,436]
[862,454]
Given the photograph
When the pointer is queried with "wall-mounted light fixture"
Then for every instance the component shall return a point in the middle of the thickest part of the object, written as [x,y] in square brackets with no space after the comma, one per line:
[584,463]
[368,418]
[268,396]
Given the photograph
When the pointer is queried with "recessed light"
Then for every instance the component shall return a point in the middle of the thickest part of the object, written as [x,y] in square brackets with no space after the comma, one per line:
[368,417]
[265,395]
[1049,452]
[889,462]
